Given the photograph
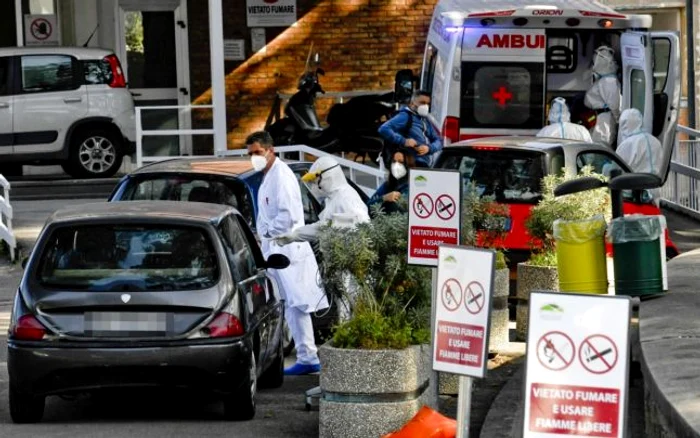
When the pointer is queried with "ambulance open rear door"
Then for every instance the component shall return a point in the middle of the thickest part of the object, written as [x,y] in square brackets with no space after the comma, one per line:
[651,83]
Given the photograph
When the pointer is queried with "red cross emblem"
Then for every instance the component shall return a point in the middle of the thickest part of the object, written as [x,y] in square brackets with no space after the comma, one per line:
[502,96]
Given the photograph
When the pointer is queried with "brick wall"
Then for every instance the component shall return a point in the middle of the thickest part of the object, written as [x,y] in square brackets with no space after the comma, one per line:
[362,44]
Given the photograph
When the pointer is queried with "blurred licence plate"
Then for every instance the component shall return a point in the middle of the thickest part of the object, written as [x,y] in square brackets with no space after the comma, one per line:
[126,323]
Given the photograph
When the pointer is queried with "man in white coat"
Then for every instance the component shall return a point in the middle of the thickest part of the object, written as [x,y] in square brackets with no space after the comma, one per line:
[604,97]
[280,211]
[560,125]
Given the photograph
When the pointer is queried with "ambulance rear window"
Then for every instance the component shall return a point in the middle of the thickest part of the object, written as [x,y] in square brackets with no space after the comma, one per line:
[502,95]
[510,176]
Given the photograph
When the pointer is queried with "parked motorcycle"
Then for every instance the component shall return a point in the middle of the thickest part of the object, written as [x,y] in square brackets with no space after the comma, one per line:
[353,125]
[301,124]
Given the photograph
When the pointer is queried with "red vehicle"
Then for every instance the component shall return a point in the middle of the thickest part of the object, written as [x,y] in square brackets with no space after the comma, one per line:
[511,169]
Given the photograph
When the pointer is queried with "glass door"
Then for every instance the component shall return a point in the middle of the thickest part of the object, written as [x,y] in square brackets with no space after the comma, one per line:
[153,43]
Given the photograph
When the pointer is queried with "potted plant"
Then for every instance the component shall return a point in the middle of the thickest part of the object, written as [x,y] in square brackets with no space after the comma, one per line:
[540,272]
[375,371]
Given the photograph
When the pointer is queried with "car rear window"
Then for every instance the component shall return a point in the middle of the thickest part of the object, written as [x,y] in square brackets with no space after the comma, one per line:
[97,72]
[109,258]
[510,176]
[192,189]
[502,95]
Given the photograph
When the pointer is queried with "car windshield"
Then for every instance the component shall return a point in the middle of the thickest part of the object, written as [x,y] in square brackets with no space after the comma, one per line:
[110,258]
[510,176]
[192,189]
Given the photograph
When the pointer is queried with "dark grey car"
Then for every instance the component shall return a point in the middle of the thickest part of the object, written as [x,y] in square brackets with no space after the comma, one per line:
[145,294]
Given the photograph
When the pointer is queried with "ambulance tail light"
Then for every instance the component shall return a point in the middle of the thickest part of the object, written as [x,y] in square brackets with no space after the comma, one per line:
[450,129]
[572,22]
[520,21]
[605,23]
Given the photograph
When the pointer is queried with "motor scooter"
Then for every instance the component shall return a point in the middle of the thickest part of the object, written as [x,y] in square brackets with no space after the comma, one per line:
[301,124]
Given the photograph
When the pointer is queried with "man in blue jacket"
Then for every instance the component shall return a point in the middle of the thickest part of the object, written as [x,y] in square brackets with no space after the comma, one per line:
[412,129]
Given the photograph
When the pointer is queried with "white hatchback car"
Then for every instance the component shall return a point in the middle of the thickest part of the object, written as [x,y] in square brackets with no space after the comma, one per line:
[64,105]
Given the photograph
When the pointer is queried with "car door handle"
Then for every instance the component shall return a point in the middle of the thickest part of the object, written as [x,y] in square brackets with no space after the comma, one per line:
[4,105]
[73,99]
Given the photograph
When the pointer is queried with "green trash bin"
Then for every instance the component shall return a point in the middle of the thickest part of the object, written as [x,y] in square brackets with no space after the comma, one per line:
[636,257]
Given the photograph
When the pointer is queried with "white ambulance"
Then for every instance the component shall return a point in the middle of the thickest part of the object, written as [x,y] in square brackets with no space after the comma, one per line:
[492,67]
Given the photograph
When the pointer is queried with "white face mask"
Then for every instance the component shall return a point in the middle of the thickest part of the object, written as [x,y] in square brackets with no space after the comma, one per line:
[423,110]
[398,170]
[259,161]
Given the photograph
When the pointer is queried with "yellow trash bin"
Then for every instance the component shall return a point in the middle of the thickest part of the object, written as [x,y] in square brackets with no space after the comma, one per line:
[580,247]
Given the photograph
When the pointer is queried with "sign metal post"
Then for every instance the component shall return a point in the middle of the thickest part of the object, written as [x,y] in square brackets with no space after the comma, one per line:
[431,224]
[462,318]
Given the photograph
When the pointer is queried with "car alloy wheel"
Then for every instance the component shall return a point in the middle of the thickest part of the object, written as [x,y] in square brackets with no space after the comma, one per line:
[97,154]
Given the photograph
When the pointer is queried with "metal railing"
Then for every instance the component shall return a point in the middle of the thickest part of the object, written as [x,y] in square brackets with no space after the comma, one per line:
[682,189]
[368,178]
[6,233]
[140,132]
[281,100]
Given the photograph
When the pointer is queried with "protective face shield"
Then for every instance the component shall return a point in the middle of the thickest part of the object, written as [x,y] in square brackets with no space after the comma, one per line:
[259,162]
[423,110]
[398,170]
[604,61]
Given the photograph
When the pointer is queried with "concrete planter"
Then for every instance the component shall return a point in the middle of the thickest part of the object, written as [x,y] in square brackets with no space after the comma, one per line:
[531,278]
[498,331]
[369,393]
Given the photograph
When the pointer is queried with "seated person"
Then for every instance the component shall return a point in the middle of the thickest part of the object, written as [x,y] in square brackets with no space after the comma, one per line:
[392,190]
[560,125]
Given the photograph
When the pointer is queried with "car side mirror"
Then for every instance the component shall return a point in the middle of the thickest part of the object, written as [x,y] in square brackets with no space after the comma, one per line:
[277,261]
[579,185]
[24,262]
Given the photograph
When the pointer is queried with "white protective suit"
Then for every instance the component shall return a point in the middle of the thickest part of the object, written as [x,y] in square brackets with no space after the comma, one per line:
[560,124]
[343,209]
[604,94]
[641,150]
[343,206]
[280,211]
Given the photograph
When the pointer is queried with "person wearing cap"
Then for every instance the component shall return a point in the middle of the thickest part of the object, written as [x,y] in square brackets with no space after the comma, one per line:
[604,97]
[560,125]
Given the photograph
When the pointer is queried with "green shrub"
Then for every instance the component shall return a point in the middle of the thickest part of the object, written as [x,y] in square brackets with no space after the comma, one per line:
[484,223]
[392,304]
[577,206]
